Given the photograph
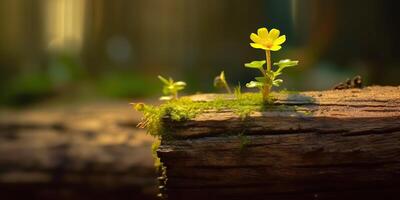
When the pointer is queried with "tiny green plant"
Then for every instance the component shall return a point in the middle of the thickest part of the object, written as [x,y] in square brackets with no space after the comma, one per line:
[243,103]
[268,41]
[238,91]
[171,88]
[220,82]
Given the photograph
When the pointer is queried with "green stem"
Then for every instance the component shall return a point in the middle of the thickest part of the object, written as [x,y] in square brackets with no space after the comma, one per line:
[268,59]
[265,92]
[228,89]
[267,87]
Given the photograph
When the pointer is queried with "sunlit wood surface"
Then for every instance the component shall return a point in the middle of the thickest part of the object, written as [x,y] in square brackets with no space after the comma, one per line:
[309,145]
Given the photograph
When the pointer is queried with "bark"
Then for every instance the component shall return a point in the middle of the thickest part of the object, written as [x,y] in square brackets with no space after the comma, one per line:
[75,152]
[337,144]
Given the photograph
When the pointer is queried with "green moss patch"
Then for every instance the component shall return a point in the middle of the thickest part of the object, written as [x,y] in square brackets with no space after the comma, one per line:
[185,109]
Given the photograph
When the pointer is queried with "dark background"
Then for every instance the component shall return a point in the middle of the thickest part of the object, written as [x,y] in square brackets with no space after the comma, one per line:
[63,50]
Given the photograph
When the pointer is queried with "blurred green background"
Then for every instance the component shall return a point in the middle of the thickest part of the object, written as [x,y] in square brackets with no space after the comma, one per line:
[63,50]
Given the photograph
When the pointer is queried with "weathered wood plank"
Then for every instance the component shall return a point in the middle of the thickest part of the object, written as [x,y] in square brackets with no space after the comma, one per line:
[308,143]
[297,150]
[346,111]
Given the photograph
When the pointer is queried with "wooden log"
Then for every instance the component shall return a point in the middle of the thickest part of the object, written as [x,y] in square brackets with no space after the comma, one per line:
[80,151]
[338,144]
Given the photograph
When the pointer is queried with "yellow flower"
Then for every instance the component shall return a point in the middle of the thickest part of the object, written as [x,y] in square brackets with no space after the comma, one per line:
[267,40]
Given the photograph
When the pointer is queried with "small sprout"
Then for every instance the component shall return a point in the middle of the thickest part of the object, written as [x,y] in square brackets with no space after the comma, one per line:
[220,82]
[268,41]
[171,88]
[238,91]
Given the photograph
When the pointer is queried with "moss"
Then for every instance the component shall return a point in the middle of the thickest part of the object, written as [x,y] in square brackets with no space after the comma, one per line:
[184,109]
[161,170]
[157,161]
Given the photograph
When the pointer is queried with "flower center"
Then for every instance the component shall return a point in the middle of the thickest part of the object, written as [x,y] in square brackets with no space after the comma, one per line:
[267,43]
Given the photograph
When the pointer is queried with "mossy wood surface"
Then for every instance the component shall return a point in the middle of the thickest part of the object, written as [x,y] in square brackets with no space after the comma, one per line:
[338,144]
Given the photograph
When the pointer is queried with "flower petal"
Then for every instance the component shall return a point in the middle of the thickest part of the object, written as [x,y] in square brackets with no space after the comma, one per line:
[262,33]
[275,48]
[273,34]
[280,40]
[257,46]
[254,37]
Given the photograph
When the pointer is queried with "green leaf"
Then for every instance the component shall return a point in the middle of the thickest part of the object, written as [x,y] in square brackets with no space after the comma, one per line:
[222,76]
[277,73]
[219,80]
[166,98]
[287,63]
[277,82]
[180,84]
[282,64]
[261,79]
[170,87]
[254,84]
[177,88]
[164,80]
[166,90]
[255,64]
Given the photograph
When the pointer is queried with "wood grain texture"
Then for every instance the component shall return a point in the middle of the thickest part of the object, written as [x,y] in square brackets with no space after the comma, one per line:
[320,145]
[85,151]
